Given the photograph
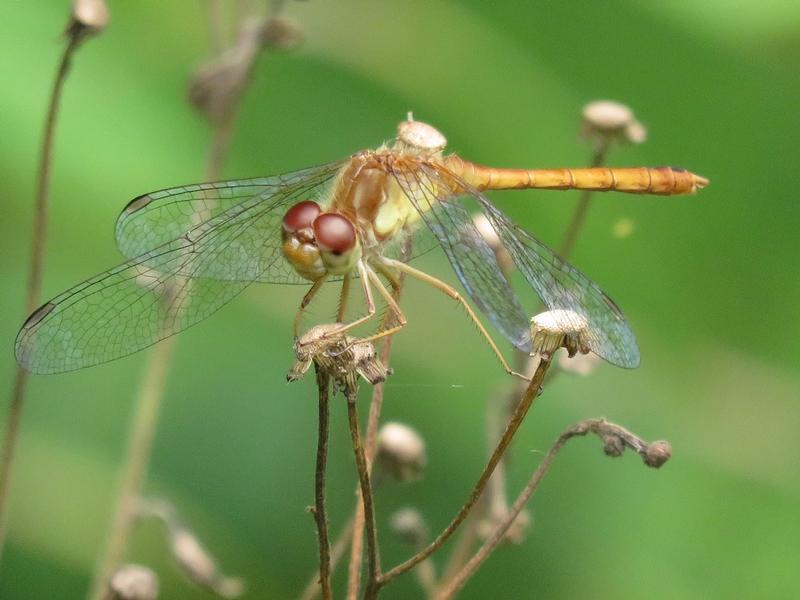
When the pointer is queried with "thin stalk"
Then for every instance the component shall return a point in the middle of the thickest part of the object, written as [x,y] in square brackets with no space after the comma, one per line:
[337,551]
[320,516]
[531,392]
[615,439]
[457,581]
[582,208]
[35,274]
[523,365]
[373,420]
[373,555]
[133,472]
[149,399]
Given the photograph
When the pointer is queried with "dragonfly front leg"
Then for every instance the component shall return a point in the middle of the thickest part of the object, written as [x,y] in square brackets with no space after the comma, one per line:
[393,306]
[362,271]
[344,294]
[453,293]
[304,304]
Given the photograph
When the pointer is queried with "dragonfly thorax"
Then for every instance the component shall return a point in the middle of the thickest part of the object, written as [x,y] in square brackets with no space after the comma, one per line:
[317,243]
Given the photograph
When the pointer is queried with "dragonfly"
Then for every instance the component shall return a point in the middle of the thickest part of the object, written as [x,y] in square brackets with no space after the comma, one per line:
[192,249]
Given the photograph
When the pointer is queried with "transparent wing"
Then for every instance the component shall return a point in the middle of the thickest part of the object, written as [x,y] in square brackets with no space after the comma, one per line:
[157,218]
[470,256]
[167,289]
[556,282]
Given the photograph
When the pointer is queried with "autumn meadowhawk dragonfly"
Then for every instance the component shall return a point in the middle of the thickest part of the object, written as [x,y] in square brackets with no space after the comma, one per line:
[193,248]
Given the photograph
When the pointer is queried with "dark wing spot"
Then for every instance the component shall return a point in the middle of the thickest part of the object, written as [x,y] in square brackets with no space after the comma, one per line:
[39,314]
[137,203]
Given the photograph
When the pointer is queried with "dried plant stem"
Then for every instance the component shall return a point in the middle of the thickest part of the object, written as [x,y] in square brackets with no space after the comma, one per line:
[150,396]
[531,392]
[373,419]
[523,365]
[320,516]
[582,208]
[134,469]
[373,556]
[35,274]
[341,544]
[605,430]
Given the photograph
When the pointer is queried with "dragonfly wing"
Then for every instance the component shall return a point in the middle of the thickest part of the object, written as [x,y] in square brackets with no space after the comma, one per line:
[469,254]
[123,310]
[252,207]
[169,288]
[559,284]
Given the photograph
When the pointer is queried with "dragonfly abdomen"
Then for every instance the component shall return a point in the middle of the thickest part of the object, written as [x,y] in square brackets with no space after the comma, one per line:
[664,181]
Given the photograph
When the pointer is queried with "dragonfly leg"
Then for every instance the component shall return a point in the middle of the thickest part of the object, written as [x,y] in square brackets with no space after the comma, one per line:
[344,294]
[393,306]
[304,304]
[362,271]
[453,293]
[386,272]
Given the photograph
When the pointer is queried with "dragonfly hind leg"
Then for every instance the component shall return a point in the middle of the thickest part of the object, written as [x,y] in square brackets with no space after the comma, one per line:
[453,293]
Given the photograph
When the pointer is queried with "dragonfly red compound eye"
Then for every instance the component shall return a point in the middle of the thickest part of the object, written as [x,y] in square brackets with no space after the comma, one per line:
[301,215]
[334,233]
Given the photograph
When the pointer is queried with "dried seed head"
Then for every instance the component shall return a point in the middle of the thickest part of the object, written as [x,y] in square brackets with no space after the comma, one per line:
[582,364]
[516,532]
[606,120]
[216,86]
[409,524]
[657,453]
[489,234]
[341,356]
[132,582]
[281,33]
[199,565]
[88,17]
[559,328]
[420,136]
[400,452]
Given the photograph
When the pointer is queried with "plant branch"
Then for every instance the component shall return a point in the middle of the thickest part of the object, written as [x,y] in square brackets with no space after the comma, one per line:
[373,419]
[582,208]
[36,269]
[337,551]
[320,516]
[142,432]
[373,556]
[615,440]
[152,390]
[531,392]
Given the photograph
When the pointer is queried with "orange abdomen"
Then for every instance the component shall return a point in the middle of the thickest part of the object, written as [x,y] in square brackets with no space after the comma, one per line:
[637,180]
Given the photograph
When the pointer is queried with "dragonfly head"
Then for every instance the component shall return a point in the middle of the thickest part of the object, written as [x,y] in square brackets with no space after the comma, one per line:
[317,243]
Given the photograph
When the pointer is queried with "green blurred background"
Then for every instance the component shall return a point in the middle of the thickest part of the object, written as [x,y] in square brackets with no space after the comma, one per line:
[710,284]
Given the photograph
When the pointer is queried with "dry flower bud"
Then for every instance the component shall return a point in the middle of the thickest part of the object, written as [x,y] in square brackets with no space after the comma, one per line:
[420,136]
[409,524]
[559,328]
[613,445]
[343,357]
[657,453]
[488,233]
[132,582]
[635,132]
[88,17]
[200,567]
[280,33]
[400,452]
[606,120]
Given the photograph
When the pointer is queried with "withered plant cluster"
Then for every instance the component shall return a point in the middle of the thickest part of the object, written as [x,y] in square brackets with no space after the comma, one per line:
[383,452]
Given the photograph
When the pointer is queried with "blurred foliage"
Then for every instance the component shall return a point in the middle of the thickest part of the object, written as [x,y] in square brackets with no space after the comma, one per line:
[710,284]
